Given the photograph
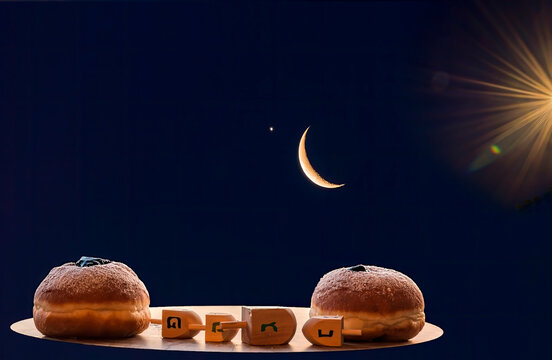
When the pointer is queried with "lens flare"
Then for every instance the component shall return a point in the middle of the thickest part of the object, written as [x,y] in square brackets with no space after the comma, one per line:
[503,122]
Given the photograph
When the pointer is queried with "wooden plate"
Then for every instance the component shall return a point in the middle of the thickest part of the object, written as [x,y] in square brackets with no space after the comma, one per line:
[151,338]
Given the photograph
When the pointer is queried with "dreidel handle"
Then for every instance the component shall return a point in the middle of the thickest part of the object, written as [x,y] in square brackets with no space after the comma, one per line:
[156,321]
[233,325]
[351,332]
[196,327]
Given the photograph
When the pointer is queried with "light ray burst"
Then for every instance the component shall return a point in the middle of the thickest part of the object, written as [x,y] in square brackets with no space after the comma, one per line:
[506,130]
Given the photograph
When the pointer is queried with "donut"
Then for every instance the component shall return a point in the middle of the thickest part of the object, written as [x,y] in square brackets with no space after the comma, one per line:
[92,298]
[385,304]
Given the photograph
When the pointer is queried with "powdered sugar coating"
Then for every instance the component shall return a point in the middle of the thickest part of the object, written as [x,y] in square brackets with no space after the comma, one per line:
[379,291]
[112,282]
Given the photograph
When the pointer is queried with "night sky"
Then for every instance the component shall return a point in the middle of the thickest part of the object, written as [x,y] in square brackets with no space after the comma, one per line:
[140,132]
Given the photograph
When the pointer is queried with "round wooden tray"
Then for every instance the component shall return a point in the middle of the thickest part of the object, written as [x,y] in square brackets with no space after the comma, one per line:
[151,338]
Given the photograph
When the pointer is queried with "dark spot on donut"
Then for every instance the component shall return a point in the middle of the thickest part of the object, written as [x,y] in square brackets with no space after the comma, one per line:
[358,268]
[91,261]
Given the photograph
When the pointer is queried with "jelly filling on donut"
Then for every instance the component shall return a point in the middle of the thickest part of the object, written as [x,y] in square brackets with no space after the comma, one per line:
[91,261]
[358,268]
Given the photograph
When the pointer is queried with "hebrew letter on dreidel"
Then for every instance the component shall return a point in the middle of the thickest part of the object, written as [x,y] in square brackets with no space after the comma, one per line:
[326,330]
[174,322]
[268,325]
[272,325]
[181,324]
[214,331]
[329,334]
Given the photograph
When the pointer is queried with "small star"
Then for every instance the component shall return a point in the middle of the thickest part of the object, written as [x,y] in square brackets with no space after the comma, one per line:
[271,128]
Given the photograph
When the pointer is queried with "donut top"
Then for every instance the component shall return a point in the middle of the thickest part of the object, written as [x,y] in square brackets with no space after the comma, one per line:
[93,283]
[369,289]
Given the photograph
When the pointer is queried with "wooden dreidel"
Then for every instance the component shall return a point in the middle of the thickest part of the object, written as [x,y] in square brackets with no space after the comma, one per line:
[181,324]
[268,325]
[326,330]
[214,332]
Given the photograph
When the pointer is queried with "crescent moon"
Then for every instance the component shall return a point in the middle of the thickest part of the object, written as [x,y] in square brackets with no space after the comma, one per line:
[309,170]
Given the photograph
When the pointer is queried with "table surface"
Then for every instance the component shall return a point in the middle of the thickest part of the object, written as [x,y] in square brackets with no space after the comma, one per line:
[151,338]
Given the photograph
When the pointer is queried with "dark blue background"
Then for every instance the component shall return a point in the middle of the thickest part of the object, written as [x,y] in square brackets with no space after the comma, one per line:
[139,132]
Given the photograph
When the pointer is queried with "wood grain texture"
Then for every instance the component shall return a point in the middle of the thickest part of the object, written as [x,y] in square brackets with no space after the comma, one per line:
[151,338]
